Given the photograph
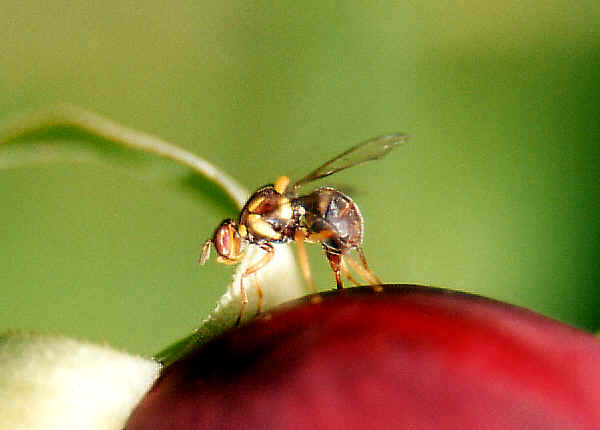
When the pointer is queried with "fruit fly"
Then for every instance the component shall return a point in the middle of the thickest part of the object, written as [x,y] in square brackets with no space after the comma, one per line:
[277,213]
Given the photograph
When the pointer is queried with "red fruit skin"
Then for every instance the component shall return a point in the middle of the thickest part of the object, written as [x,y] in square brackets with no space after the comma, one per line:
[408,358]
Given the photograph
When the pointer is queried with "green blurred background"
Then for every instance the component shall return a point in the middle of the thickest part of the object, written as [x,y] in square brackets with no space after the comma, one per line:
[497,193]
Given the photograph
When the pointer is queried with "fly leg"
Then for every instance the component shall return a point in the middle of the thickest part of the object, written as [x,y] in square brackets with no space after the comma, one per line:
[244,298]
[335,259]
[335,263]
[300,237]
[259,293]
[364,271]
[363,260]
[265,259]
[346,272]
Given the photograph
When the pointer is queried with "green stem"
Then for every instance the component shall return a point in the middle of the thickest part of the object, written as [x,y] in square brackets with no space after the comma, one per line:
[79,118]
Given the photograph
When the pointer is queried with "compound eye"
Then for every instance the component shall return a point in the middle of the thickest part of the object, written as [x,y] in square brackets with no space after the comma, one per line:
[227,240]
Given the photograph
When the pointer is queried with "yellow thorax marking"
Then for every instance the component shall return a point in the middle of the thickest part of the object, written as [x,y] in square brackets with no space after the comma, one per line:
[285,209]
[262,227]
[281,184]
[242,230]
[255,203]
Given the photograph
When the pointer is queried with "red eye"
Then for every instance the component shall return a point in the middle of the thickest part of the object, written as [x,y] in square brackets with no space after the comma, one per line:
[227,240]
[223,240]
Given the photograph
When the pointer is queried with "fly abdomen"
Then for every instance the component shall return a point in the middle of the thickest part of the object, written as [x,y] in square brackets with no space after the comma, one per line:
[333,217]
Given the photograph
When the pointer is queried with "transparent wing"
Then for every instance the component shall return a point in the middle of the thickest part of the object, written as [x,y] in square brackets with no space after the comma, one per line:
[372,149]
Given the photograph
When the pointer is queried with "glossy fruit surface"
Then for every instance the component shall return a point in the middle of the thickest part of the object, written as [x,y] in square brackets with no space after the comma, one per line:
[407,358]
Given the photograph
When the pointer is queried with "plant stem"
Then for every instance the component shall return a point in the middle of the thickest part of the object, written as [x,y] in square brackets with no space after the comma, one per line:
[95,124]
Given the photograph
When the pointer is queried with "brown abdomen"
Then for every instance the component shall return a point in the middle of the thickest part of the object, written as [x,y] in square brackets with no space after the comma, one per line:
[329,210]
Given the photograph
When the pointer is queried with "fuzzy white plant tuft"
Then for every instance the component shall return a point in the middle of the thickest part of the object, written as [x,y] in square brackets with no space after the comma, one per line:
[54,382]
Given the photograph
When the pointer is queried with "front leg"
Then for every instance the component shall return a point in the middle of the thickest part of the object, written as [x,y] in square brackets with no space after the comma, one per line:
[265,259]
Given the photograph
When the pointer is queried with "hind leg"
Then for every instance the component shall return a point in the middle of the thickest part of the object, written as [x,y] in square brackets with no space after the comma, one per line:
[347,273]
[364,270]
[335,263]
[363,260]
